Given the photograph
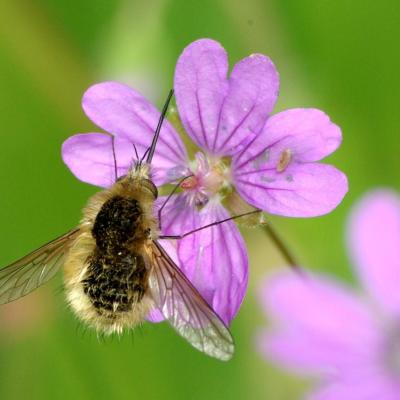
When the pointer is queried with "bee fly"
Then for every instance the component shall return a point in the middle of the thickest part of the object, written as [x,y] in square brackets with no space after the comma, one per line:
[116,272]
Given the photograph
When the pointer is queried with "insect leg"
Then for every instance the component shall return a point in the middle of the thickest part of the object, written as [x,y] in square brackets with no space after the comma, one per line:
[136,152]
[169,197]
[208,226]
[144,156]
[115,159]
[286,253]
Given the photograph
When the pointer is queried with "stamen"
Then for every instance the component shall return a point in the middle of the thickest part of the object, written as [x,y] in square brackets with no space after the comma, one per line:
[210,177]
[284,160]
[189,183]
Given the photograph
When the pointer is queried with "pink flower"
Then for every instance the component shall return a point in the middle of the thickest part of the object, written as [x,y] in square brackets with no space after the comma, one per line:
[271,162]
[350,340]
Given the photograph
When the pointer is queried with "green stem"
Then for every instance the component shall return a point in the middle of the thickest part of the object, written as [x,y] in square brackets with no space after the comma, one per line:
[282,247]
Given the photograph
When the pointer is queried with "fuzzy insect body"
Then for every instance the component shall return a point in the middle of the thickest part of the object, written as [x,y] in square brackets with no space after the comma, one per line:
[116,272]
[107,268]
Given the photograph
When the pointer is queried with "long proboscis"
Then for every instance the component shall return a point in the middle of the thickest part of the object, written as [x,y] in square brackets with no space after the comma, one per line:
[152,147]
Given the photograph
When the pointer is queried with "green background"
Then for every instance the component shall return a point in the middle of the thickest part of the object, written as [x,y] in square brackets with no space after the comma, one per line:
[339,56]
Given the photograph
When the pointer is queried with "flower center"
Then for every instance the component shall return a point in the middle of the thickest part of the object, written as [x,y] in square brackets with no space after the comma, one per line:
[210,178]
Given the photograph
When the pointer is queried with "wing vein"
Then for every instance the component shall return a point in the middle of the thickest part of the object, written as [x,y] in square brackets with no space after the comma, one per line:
[25,275]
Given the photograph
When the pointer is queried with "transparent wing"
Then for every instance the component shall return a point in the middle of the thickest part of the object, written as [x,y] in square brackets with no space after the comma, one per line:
[185,309]
[30,272]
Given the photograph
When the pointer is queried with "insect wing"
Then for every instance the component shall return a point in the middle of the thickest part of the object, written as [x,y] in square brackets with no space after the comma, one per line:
[185,309]
[30,272]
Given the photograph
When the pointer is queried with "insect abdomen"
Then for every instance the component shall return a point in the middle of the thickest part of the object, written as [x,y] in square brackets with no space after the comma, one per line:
[115,283]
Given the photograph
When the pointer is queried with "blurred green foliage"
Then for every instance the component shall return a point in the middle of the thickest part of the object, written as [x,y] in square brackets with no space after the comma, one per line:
[339,56]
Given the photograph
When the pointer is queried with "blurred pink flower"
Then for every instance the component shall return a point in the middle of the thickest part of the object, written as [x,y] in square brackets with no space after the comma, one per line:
[272,162]
[22,318]
[350,340]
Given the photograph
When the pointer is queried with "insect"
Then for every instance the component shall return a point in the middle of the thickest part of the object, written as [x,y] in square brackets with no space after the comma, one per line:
[115,270]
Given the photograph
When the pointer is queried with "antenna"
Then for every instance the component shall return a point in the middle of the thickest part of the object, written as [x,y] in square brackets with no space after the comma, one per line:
[152,147]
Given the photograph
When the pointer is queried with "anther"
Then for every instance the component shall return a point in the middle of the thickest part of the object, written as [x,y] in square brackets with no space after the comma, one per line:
[189,183]
[284,160]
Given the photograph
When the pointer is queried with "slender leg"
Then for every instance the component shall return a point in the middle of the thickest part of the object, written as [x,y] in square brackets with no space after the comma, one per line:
[136,152]
[169,197]
[115,159]
[144,155]
[208,226]
[286,254]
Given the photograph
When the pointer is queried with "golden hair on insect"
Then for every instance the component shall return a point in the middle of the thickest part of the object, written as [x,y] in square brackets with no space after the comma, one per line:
[115,270]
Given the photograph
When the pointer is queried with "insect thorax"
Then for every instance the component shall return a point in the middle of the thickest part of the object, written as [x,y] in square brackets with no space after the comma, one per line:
[118,223]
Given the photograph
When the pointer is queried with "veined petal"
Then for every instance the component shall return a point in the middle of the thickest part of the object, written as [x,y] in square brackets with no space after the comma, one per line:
[253,90]
[374,241]
[123,112]
[177,216]
[200,87]
[220,114]
[276,173]
[307,133]
[301,190]
[319,325]
[90,158]
[215,260]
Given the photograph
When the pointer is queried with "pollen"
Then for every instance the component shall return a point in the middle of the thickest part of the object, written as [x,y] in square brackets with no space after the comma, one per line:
[284,160]
[189,183]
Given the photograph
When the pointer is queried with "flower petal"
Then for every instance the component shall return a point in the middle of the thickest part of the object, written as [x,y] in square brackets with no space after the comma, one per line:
[253,90]
[155,316]
[301,190]
[275,171]
[374,241]
[367,388]
[177,215]
[121,111]
[90,157]
[221,114]
[200,87]
[214,259]
[307,133]
[319,325]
